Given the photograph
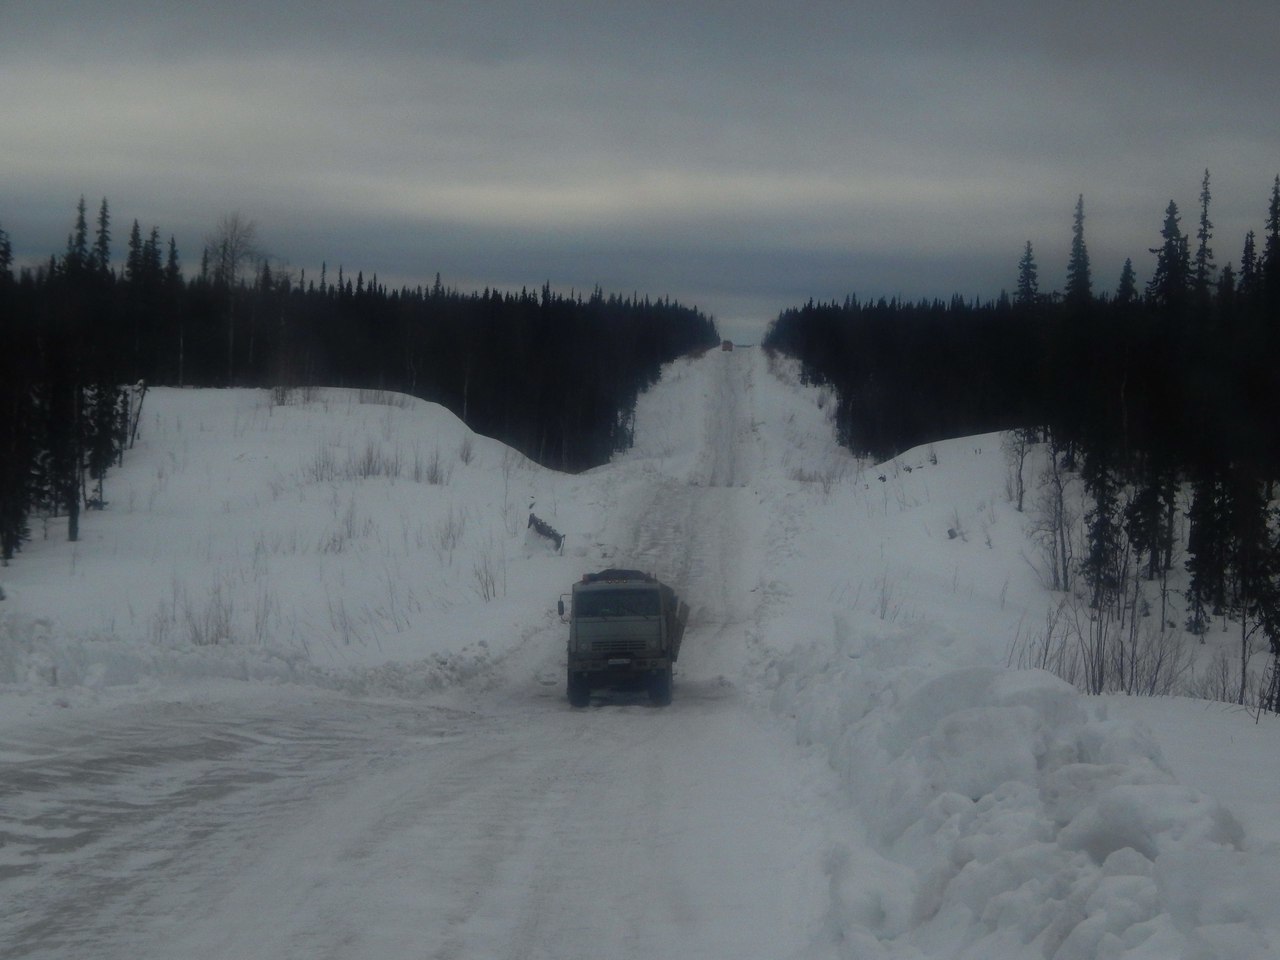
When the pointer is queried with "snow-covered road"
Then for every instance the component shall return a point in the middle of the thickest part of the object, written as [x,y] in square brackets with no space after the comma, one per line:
[325,827]
[502,825]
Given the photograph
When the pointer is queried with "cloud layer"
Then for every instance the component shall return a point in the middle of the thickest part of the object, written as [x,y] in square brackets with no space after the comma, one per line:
[741,157]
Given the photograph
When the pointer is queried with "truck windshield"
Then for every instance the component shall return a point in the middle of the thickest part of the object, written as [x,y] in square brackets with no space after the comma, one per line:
[616,603]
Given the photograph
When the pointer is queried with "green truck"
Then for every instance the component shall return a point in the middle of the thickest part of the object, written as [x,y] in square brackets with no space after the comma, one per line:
[625,629]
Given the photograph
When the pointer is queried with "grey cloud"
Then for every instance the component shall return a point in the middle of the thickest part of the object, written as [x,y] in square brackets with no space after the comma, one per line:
[740,157]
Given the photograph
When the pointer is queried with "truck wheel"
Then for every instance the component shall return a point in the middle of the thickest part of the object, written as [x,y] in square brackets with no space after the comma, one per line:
[579,691]
[660,687]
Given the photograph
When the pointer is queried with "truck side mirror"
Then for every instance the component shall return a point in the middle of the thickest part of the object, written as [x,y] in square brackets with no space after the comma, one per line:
[560,607]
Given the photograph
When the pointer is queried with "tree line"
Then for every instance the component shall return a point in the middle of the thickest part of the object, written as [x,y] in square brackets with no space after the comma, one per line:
[555,376]
[1162,399]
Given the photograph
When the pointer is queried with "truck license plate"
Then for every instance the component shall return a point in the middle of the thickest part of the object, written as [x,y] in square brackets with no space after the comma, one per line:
[619,661]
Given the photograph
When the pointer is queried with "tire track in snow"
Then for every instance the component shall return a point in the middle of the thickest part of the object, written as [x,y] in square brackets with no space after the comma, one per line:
[521,829]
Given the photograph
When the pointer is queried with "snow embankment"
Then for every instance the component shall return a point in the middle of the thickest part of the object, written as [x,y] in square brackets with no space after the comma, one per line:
[1004,814]
[1015,819]
[351,539]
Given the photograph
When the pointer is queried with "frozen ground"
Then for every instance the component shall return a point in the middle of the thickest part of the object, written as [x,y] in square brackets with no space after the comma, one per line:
[298,692]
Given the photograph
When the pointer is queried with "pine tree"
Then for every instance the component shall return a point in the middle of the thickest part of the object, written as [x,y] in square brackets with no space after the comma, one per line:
[1105,562]
[1079,281]
[1127,291]
[1028,282]
[133,263]
[172,268]
[1225,294]
[1207,537]
[101,256]
[6,257]
[76,258]
[1169,284]
[102,439]
[1249,284]
[1202,277]
[1270,265]
[173,291]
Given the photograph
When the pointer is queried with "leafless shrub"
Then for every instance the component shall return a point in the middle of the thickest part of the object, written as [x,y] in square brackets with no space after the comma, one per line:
[385,398]
[346,530]
[1217,681]
[374,461]
[323,467]
[447,535]
[824,479]
[1050,648]
[342,622]
[489,574]
[1055,526]
[265,610]
[209,622]
[887,599]
[1097,652]
[430,471]
[1016,445]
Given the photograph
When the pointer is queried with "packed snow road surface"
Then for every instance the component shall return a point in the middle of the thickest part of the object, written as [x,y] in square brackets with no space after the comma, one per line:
[324,827]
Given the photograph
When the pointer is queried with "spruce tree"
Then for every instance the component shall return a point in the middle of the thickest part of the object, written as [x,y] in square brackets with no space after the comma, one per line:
[1105,562]
[77,256]
[101,256]
[6,257]
[1169,284]
[1202,276]
[1249,284]
[1270,265]
[133,263]
[1028,282]
[1127,291]
[1079,282]
[1207,538]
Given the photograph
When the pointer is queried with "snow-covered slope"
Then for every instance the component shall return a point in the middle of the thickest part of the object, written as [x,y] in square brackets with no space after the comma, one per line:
[324,613]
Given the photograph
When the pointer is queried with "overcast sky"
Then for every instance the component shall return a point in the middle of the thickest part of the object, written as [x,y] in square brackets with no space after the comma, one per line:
[740,156]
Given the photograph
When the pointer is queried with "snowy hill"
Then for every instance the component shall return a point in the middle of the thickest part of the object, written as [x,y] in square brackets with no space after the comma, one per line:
[301,685]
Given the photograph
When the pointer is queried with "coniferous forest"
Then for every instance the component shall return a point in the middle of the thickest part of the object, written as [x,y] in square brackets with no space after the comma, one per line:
[1163,400]
[1160,398]
[554,376]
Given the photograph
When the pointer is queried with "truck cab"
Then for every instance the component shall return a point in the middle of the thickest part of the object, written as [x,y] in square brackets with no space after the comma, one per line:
[625,630]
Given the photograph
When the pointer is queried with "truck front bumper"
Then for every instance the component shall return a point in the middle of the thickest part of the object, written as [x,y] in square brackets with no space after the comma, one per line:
[598,668]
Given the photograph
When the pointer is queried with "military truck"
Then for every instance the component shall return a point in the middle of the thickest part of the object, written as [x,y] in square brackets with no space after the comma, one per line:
[625,629]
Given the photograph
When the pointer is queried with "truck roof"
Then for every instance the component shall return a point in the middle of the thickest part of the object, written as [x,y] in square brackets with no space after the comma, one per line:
[613,575]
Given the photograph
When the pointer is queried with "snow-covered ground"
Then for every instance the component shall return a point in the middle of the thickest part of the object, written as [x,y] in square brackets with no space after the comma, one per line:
[298,691]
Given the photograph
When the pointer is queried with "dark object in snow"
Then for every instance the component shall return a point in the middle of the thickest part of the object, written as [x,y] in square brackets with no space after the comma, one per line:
[726,345]
[546,530]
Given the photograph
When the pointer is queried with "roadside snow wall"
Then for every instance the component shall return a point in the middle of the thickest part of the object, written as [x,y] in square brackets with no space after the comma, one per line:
[1013,818]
